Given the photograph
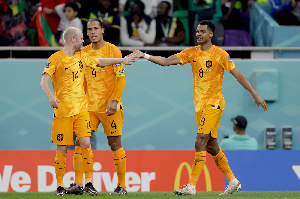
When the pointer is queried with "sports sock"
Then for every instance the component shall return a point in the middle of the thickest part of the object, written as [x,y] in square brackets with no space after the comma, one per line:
[77,165]
[222,162]
[120,164]
[199,162]
[87,163]
[60,167]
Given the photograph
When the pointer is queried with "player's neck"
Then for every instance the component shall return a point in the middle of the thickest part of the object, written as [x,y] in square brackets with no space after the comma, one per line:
[98,45]
[69,50]
[240,132]
[206,46]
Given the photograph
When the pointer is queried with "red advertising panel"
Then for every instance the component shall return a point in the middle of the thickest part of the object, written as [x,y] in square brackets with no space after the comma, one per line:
[153,170]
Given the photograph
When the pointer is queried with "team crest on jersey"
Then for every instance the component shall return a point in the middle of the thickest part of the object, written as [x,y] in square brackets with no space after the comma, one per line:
[208,64]
[60,137]
[230,59]
[80,64]
[48,64]
[116,65]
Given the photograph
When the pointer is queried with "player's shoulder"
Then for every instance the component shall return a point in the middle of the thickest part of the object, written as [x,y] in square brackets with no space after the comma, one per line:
[219,50]
[191,50]
[57,55]
[111,46]
[87,48]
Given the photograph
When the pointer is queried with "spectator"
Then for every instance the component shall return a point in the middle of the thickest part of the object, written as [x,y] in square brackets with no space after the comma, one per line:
[285,12]
[137,29]
[169,31]
[51,17]
[150,6]
[239,140]
[106,11]
[207,10]
[68,15]
[231,14]
[14,18]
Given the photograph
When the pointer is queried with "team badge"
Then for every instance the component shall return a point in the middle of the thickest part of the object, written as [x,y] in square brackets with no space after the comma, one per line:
[60,137]
[48,64]
[80,65]
[208,64]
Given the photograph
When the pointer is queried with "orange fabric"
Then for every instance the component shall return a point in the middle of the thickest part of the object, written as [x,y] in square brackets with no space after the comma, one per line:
[199,162]
[120,164]
[62,128]
[87,163]
[208,121]
[119,88]
[102,82]
[112,124]
[77,165]
[67,75]
[222,162]
[60,167]
[208,70]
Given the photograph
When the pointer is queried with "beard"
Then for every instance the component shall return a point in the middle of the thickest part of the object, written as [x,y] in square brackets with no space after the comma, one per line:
[77,48]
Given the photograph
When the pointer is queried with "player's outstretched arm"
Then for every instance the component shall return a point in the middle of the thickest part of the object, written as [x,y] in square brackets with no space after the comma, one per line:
[110,61]
[246,84]
[172,60]
[53,101]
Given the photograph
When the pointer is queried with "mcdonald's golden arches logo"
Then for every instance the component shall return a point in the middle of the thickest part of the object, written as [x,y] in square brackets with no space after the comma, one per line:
[189,170]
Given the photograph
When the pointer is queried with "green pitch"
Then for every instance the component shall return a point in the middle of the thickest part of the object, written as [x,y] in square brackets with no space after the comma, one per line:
[209,195]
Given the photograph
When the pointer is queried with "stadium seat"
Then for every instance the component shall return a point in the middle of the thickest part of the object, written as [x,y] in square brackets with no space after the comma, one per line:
[237,38]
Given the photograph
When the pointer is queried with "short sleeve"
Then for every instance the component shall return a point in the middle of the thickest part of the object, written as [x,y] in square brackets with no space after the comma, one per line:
[51,65]
[92,61]
[226,61]
[117,54]
[89,60]
[184,56]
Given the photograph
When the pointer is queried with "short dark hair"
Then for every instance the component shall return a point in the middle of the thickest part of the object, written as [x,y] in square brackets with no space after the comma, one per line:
[168,4]
[209,24]
[72,5]
[96,19]
[140,4]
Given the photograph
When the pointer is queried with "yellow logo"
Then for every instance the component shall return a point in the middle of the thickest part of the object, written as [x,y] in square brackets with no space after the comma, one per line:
[189,169]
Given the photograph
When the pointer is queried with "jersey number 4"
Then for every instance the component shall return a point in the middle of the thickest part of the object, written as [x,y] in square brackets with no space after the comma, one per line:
[94,72]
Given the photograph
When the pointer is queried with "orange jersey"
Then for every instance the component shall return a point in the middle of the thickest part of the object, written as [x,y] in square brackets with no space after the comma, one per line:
[67,75]
[101,82]
[208,70]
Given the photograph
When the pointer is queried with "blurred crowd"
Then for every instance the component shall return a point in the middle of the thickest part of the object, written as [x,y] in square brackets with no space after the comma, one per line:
[135,22]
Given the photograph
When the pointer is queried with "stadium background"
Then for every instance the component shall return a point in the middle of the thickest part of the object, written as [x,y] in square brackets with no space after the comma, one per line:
[158,105]
[158,123]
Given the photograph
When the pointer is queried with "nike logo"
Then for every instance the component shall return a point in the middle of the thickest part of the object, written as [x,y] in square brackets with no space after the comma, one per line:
[67,68]
[194,61]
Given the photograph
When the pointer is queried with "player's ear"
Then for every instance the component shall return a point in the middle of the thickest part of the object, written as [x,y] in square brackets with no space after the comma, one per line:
[211,34]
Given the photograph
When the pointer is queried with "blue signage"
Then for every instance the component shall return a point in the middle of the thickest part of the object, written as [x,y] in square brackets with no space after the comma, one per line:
[266,170]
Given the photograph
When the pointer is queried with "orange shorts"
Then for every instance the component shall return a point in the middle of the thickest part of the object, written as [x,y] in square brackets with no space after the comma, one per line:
[208,121]
[112,125]
[62,128]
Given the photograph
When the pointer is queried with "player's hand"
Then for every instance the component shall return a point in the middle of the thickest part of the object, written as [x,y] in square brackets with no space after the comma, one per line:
[53,102]
[111,108]
[260,102]
[137,53]
[130,58]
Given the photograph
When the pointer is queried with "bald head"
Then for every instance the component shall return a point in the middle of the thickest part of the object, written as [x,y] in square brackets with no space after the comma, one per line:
[71,32]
